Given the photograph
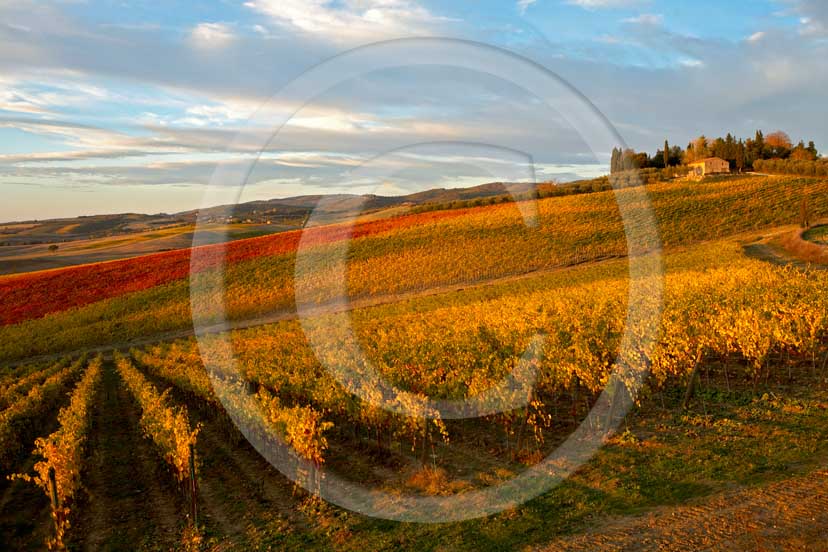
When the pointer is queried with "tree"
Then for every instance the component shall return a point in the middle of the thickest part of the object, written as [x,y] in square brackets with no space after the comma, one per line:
[801,153]
[676,155]
[740,155]
[701,147]
[688,156]
[778,139]
[779,144]
[755,148]
[719,148]
[641,160]
[657,160]
[627,159]
[615,162]
[812,149]
[697,150]
[805,213]
[730,149]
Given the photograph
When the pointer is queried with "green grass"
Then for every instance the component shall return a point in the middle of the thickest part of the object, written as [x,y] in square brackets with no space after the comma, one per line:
[817,234]
[665,457]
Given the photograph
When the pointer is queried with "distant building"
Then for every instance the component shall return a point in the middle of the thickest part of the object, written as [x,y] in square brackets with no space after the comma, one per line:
[711,165]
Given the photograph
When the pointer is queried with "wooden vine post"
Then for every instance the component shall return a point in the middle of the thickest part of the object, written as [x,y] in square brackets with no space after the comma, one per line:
[691,385]
[53,493]
[193,487]
[53,489]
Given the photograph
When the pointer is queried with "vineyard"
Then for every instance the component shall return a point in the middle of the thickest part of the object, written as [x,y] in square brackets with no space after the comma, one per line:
[140,447]
[744,317]
[430,249]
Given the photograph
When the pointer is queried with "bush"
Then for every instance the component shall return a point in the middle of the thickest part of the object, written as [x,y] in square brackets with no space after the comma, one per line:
[818,167]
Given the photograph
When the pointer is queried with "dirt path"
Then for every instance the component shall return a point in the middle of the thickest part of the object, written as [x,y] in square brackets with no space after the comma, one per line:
[235,501]
[789,515]
[132,503]
[775,255]
[771,248]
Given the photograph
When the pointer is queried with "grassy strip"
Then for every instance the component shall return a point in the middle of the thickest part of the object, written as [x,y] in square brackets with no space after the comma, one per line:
[664,458]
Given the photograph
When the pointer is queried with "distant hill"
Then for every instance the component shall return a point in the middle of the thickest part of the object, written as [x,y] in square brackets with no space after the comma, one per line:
[290,212]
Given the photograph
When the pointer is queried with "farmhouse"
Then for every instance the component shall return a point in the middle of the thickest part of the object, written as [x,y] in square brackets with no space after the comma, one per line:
[711,165]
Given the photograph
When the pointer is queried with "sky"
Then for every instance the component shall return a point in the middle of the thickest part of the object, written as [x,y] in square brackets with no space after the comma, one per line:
[132,106]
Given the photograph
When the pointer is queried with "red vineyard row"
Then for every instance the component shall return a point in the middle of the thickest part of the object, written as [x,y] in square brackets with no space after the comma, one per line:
[28,296]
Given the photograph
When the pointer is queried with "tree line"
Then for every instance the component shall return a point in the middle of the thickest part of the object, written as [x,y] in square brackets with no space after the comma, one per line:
[818,167]
[741,154]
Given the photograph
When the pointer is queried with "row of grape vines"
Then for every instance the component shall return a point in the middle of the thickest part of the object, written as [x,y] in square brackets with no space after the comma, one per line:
[167,425]
[61,457]
[21,386]
[21,419]
[64,451]
[745,316]
[412,255]
[301,427]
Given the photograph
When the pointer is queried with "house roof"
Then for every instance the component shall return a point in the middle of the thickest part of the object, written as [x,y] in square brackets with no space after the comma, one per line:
[700,161]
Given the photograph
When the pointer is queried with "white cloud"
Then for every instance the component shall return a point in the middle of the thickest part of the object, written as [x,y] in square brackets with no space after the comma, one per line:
[522,5]
[813,16]
[193,104]
[74,134]
[690,62]
[597,4]
[646,19]
[211,35]
[20,102]
[218,113]
[47,95]
[812,27]
[351,19]
[610,39]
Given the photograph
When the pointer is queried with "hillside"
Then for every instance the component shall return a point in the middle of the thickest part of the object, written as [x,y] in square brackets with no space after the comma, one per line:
[430,249]
[443,304]
[289,211]
[30,246]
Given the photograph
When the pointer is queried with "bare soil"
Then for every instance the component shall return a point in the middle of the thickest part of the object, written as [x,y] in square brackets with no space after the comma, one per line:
[132,502]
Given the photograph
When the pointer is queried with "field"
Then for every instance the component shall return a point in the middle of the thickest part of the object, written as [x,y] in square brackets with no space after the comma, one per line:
[80,250]
[431,249]
[111,404]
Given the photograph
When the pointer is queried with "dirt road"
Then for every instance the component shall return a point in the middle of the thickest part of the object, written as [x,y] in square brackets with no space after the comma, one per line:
[789,515]
[132,503]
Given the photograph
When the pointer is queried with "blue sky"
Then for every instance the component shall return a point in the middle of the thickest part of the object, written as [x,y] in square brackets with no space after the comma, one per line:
[116,106]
